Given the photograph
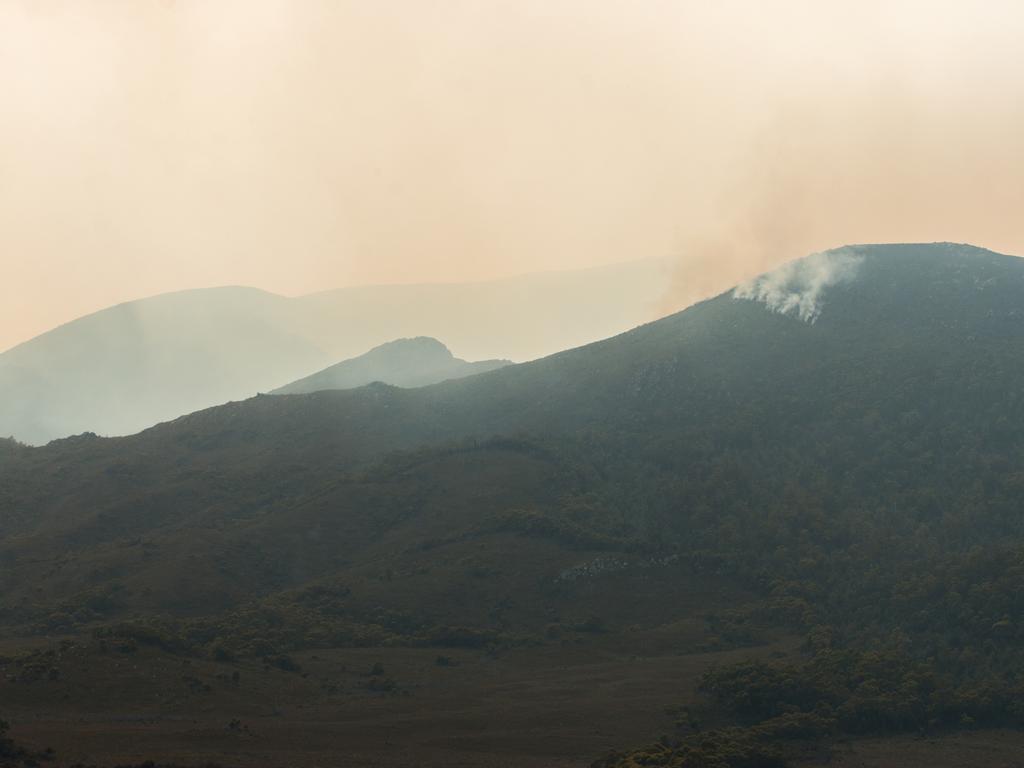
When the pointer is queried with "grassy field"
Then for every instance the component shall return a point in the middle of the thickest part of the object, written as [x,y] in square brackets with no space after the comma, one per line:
[557,704]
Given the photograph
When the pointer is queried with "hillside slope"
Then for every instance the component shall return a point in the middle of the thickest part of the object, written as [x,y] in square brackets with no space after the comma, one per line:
[130,366]
[923,339]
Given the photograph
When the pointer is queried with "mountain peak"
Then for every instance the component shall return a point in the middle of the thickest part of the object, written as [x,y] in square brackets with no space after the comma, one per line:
[426,346]
[412,362]
[799,288]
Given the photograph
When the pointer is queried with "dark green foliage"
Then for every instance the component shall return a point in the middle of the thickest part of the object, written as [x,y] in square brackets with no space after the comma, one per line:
[6,745]
[282,661]
[220,653]
[863,692]
[726,748]
[161,635]
[594,624]
[574,533]
[13,755]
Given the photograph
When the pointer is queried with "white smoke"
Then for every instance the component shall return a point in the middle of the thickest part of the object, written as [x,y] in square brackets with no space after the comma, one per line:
[797,287]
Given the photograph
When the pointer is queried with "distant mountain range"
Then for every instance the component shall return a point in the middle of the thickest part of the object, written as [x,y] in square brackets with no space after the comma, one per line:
[401,363]
[131,366]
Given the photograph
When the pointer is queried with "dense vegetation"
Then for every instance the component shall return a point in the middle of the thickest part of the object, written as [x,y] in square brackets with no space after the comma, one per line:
[859,475]
[13,755]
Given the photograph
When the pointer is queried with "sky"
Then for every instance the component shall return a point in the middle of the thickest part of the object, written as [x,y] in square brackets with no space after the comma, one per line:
[301,145]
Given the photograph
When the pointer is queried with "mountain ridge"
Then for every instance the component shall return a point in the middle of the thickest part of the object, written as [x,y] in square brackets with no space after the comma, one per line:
[128,367]
[655,331]
[412,362]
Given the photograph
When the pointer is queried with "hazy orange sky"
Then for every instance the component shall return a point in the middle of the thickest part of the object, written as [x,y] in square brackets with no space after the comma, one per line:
[297,145]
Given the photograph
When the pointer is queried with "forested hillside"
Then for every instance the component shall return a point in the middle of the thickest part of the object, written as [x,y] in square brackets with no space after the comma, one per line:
[829,454]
